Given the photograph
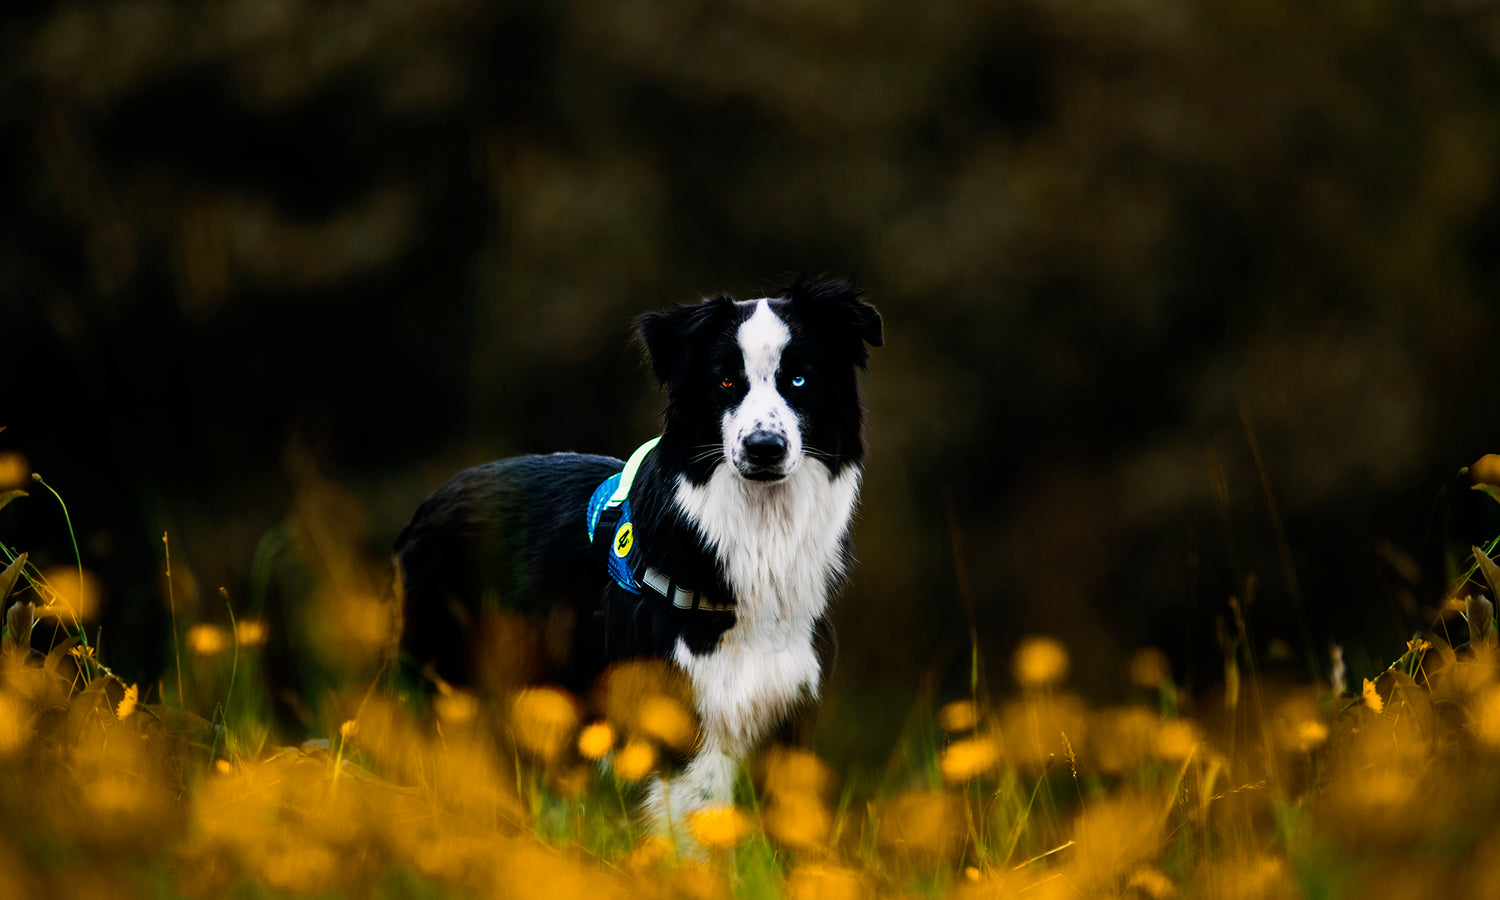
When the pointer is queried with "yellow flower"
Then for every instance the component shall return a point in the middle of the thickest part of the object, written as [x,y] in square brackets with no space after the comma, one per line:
[719,827]
[960,715]
[1486,717]
[1149,668]
[127,703]
[1178,739]
[207,640]
[968,759]
[250,632]
[635,760]
[1040,661]
[1310,734]
[543,720]
[455,707]
[798,821]
[13,470]
[15,724]
[70,597]
[1372,697]
[664,719]
[1487,469]
[595,740]
[922,823]
[349,729]
[792,771]
[819,882]
[647,855]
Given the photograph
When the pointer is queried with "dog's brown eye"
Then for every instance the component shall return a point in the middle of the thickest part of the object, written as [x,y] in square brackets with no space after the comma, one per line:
[727,383]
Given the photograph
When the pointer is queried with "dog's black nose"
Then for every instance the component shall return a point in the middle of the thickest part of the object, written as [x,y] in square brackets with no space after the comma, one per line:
[765,449]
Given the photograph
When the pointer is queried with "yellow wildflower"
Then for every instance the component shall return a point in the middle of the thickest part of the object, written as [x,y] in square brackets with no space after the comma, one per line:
[15,724]
[1487,469]
[250,632]
[635,760]
[1372,697]
[69,596]
[1178,739]
[1149,668]
[968,759]
[960,715]
[922,823]
[819,882]
[207,640]
[719,827]
[127,703]
[1310,733]
[663,718]
[1486,717]
[543,720]
[793,771]
[798,821]
[595,740]
[1040,661]
[13,470]
[455,707]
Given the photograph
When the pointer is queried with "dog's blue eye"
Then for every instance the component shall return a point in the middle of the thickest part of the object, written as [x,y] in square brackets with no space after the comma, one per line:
[798,381]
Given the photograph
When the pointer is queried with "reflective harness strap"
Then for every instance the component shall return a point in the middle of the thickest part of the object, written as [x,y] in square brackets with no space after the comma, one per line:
[609,512]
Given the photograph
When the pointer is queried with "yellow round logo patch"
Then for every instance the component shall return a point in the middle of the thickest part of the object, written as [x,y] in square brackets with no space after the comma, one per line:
[624,538]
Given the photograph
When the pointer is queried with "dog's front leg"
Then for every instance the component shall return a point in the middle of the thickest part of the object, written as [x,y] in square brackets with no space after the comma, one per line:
[706,781]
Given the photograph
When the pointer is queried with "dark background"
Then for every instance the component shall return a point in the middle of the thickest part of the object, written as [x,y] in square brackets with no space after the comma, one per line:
[1111,241]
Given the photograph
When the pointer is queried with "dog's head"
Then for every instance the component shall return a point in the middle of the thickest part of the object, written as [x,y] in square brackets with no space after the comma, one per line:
[762,385]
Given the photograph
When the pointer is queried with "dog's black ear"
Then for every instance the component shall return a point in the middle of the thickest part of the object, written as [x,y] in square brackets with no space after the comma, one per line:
[840,307]
[671,336]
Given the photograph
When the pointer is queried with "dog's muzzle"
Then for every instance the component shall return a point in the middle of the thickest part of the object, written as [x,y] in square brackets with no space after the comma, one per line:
[765,456]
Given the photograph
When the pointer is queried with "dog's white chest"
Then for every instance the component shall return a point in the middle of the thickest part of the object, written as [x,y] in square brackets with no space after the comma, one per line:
[780,546]
[750,681]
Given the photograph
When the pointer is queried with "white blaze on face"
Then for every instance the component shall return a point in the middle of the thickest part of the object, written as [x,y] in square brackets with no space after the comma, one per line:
[762,337]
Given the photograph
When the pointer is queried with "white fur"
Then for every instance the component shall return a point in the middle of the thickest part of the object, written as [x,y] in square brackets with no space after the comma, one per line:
[762,337]
[780,545]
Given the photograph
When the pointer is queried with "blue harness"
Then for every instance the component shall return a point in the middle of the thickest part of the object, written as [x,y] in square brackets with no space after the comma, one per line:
[609,513]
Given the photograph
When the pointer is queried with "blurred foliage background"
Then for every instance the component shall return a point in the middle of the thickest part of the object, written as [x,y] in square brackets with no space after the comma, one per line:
[1122,250]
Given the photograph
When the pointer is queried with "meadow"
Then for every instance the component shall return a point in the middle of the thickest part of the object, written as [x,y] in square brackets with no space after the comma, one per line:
[1366,784]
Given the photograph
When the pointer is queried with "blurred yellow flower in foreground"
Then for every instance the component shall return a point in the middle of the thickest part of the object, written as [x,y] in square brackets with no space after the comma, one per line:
[596,740]
[1177,739]
[455,707]
[664,719]
[207,640]
[635,760]
[1149,668]
[543,720]
[824,883]
[1487,469]
[970,758]
[127,703]
[15,724]
[1372,697]
[798,821]
[922,823]
[1040,661]
[250,632]
[789,770]
[1485,721]
[719,827]
[68,596]
[13,471]
[960,715]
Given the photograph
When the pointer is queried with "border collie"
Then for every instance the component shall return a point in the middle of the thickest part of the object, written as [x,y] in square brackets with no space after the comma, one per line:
[720,544]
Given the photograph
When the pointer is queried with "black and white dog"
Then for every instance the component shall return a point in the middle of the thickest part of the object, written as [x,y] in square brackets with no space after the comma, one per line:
[719,546]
